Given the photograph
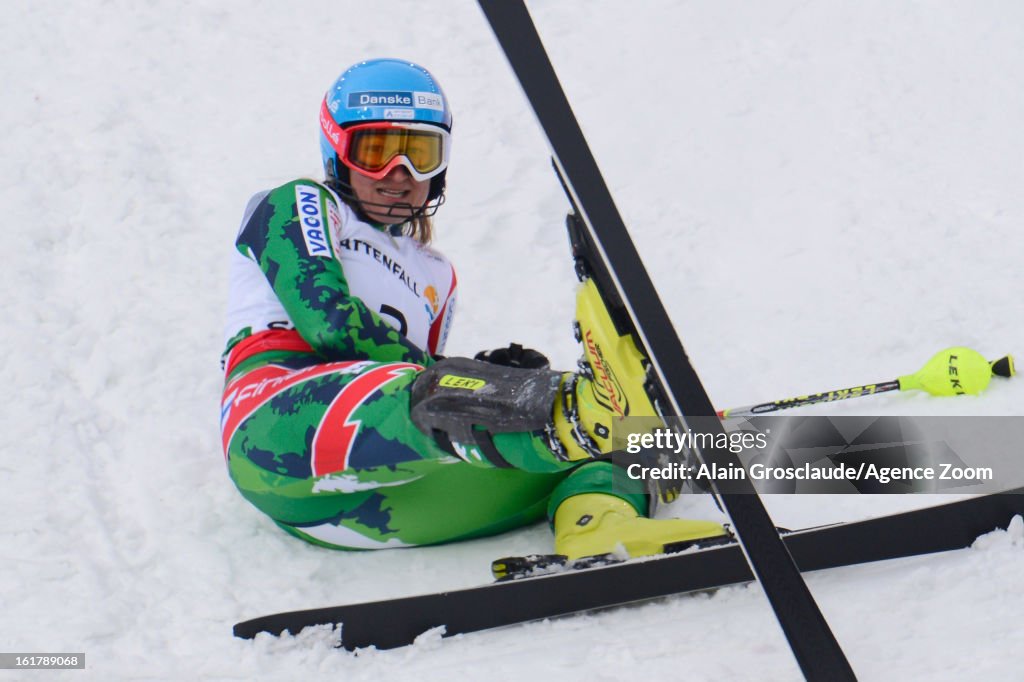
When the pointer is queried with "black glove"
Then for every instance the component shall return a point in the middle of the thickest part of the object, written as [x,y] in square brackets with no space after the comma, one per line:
[515,356]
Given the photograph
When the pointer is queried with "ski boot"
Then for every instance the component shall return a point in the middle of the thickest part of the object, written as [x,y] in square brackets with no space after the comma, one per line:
[593,524]
[612,384]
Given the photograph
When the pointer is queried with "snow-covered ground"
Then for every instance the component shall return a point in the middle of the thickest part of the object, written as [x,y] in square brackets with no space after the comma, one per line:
[825,194]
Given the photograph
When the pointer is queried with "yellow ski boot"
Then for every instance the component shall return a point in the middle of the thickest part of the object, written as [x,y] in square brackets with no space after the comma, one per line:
[595,523]
[609,388]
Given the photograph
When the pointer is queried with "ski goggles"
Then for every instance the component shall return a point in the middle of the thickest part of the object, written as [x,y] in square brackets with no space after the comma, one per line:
[374,149]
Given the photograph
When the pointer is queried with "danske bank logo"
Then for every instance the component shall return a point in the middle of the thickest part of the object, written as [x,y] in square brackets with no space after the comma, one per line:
[370,99]
[420,100]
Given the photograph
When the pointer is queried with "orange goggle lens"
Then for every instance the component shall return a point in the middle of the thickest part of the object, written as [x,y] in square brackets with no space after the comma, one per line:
[373,149]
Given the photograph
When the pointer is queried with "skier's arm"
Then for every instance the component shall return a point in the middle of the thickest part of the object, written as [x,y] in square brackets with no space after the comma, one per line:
[442,324]
[287,236]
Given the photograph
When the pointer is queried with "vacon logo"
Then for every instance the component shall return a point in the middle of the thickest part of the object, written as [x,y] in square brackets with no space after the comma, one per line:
[314,232]
[376,99]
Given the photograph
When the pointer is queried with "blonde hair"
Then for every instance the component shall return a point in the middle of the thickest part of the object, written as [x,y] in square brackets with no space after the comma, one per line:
[420,228]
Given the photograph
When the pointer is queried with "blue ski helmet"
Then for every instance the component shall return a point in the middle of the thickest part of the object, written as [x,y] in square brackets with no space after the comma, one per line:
[381,90]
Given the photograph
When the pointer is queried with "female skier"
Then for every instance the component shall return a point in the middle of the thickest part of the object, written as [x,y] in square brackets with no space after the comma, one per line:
[339,418]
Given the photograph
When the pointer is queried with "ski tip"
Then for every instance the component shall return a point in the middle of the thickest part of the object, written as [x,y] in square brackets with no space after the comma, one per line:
[249,629]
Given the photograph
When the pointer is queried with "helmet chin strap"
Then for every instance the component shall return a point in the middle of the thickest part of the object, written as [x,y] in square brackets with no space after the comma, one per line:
[345,191]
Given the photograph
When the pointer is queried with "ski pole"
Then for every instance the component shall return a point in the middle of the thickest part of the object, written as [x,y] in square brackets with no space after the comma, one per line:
[953,371]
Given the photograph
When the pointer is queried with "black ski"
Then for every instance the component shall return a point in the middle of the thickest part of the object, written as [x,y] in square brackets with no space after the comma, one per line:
[397,622]
[814,646]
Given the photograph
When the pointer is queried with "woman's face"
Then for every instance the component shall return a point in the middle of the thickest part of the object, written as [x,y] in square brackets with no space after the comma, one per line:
[397,192]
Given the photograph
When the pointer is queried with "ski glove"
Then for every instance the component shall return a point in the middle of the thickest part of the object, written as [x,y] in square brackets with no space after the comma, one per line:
[515,356]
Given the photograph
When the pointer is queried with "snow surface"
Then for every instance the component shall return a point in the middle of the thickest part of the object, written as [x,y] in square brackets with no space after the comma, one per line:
[825,194]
